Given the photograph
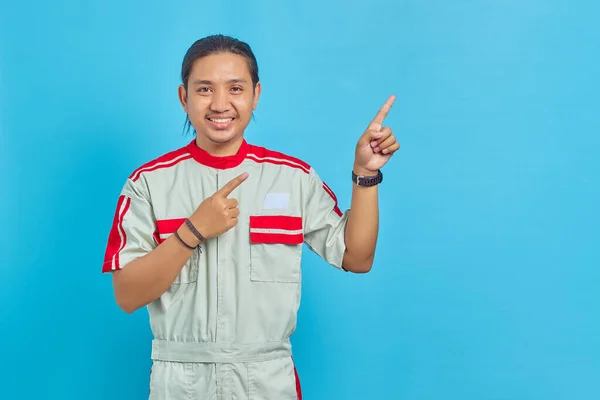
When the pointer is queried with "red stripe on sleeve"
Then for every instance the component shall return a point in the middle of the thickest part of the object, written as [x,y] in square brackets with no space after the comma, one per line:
[117,237]
[332,195]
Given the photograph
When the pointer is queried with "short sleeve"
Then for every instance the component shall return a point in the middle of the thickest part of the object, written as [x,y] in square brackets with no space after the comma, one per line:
[132,234]
[325,224]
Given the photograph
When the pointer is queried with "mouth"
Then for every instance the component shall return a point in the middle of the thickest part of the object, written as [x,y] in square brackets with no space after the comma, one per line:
[221,120]
[220,123]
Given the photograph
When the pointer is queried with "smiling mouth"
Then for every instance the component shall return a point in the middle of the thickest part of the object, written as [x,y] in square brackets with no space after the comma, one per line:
[221,120]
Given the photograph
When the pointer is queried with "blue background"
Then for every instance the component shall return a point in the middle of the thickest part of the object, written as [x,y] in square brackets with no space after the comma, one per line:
[486,278]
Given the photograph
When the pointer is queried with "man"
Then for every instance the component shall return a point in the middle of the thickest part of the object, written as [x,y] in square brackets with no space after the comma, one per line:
[209,237]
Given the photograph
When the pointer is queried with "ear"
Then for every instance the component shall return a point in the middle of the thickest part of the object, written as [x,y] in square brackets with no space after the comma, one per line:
[183,97]
[257,90]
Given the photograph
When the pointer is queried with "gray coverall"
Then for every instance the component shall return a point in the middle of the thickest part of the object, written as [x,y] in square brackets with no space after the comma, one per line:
[222,330]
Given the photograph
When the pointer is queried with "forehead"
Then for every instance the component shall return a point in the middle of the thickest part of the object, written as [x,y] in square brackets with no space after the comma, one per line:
[220,67]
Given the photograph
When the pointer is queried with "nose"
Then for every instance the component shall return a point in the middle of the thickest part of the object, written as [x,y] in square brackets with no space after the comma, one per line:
[220,102]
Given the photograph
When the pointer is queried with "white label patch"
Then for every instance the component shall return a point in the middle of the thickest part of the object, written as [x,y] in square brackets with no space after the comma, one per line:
[276,200]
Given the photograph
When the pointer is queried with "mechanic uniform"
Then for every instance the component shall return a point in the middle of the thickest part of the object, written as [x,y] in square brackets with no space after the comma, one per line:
[222,330]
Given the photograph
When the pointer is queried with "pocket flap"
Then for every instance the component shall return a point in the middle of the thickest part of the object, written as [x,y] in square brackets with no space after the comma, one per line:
[282,229]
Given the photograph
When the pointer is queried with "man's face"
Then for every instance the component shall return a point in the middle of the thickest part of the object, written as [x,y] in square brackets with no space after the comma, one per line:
[220,99]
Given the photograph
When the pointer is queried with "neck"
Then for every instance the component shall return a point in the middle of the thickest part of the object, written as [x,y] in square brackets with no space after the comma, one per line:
[217,149]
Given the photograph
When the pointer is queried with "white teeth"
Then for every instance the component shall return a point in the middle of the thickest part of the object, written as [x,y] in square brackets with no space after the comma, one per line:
[221,121]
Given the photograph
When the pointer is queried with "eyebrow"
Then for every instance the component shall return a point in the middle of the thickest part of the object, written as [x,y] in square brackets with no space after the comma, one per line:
[207,82]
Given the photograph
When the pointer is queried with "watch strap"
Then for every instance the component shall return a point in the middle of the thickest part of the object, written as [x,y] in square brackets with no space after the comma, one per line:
[367,180]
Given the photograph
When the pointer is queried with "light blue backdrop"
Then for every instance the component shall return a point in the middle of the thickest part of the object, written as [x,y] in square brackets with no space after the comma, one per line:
[486,279]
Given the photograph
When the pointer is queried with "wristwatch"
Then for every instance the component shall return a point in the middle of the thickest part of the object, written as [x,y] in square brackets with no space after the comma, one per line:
[367,180]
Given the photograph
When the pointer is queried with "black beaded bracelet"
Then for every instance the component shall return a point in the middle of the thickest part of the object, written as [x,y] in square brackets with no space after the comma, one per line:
[194,230]
[182,242]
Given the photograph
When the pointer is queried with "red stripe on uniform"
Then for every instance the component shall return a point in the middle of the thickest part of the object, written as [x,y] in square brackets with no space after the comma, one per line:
[259,154]
[263,152]
[124,237]
[276,222]
[277,162]
[157,238]
[166,161]
[117,237]
[338,211]
[135,177]
[165,226]
[280,238]
[332,195]
[298,386]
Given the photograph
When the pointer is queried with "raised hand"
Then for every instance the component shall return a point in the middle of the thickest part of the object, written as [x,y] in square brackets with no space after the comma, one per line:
[218,213]
[376,145]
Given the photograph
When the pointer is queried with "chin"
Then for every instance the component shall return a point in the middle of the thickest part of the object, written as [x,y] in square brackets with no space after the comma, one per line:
[220,137]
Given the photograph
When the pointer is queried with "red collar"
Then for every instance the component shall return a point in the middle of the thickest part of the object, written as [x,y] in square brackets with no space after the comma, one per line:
[209,160]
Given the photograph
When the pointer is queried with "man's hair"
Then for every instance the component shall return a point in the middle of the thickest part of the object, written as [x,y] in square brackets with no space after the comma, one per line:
[216,44]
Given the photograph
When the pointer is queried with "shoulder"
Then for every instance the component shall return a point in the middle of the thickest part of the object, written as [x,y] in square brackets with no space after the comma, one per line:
[264,155]
[164,161]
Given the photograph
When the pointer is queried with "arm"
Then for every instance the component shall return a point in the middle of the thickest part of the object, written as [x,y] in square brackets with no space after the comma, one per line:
[146,278]
[362,227]
[373,151]
[143,271]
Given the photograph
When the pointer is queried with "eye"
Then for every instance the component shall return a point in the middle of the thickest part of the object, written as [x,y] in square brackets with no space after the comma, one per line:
[237,89]
[204,89]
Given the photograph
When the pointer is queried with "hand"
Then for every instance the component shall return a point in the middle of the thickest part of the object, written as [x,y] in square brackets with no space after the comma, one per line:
[218,214]
[376,146]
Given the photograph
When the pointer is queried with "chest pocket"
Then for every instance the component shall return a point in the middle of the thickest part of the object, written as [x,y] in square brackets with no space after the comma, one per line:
[275,248]
[189,272]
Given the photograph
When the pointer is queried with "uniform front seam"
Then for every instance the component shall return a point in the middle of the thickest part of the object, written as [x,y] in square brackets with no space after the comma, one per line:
[190,381]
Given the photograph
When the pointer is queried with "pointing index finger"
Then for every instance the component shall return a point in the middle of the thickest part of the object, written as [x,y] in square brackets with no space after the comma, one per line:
[382,113]
[232,184]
